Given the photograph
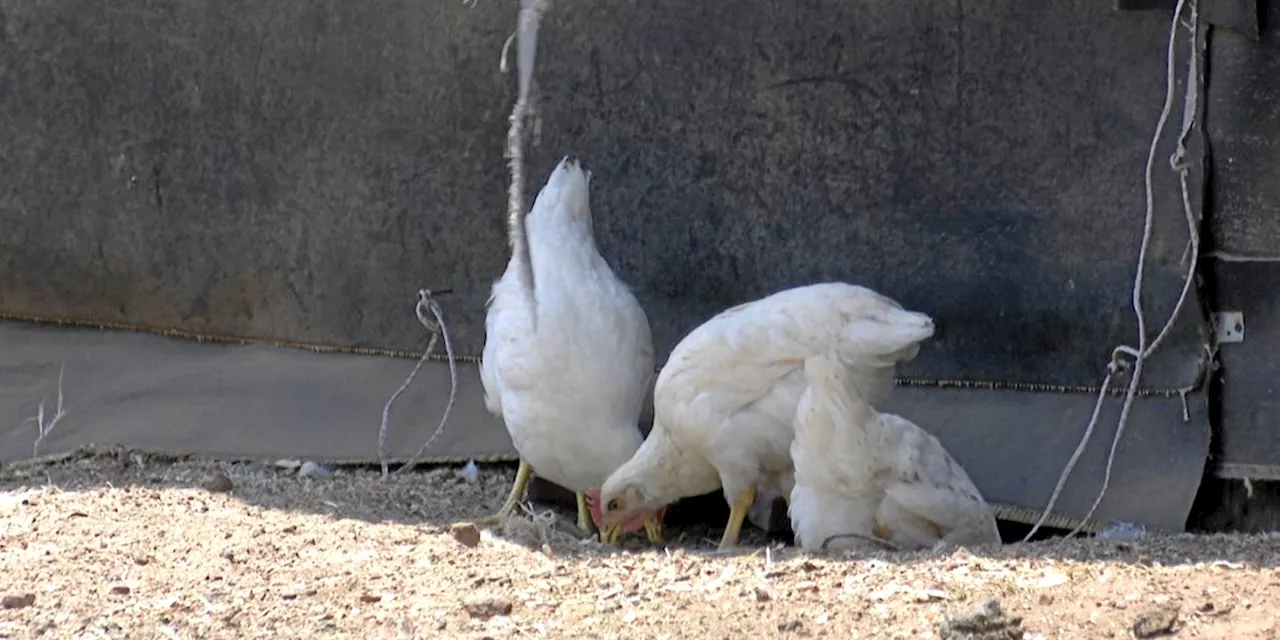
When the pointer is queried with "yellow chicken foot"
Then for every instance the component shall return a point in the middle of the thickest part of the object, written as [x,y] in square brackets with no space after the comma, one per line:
[611,533]
[653,528]
[513,500]
[737,514]
[584,514]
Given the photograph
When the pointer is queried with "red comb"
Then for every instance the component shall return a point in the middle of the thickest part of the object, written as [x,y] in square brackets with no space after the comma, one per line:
[593,505]
[632,524]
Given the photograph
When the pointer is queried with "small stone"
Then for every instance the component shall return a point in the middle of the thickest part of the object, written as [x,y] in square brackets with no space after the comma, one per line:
[17,601]
[987,623]
[466,534]
[218,483]
[790,626]
[120,590]
[763,595]
[310,469]
[370,598]
[1162,621]
[487,607]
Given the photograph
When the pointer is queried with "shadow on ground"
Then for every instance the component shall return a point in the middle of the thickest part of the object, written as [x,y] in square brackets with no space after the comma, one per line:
[440,497]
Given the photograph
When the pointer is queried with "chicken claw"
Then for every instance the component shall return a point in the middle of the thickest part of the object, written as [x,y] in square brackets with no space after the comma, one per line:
[513,499]
[611,533]
[737,513]
[653,528]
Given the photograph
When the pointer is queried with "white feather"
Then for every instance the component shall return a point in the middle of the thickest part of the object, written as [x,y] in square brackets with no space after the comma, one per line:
[864,473]
[570,393]
[724,404]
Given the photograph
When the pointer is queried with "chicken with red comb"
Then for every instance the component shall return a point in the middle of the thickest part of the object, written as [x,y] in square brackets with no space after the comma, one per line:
[725,401]
[650,523]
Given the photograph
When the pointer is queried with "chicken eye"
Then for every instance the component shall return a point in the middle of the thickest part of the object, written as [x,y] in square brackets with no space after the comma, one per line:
[612,506]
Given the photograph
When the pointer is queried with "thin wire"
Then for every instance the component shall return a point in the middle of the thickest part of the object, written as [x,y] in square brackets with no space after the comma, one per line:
[428,303]
[1075,456]
[1224,256]
[1176,162]
[386,409]
[1143,351]
[436,327]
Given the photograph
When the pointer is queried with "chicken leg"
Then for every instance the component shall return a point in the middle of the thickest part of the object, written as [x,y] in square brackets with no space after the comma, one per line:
[517,492]
[584,514]
[737,513]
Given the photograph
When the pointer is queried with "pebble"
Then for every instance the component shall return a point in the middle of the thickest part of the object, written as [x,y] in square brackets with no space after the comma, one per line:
[487,607]
[790,626]
[17,601]
[1156,622]
[310,469]
[466,534]
[469,472]
[986,623]
[218,483]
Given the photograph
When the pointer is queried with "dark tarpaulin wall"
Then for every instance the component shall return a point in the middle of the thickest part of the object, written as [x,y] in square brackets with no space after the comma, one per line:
[298,170]
[1244,140]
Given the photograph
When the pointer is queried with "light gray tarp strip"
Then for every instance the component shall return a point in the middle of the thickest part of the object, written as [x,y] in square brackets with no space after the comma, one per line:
[254,401]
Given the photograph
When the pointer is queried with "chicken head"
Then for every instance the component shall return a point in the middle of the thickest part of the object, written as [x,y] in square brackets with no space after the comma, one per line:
[625,511]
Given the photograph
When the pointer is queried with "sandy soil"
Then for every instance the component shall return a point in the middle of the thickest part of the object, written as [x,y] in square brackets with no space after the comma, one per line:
[132,546]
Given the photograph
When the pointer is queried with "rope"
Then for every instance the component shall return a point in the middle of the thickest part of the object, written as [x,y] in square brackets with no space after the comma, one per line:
[526,51]
[43,428]
[1144,350]
[436,327]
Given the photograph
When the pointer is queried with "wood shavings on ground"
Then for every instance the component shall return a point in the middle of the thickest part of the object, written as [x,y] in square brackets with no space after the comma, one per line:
[134,546]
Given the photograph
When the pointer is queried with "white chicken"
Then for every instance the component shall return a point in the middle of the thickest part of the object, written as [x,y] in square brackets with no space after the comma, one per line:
[568,354]
[862,474]
[724,404]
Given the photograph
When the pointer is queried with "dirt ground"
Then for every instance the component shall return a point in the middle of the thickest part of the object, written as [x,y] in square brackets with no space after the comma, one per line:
[133,546]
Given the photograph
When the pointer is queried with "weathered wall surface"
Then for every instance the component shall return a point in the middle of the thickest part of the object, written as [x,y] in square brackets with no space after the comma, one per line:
[1244,136]
[299,169]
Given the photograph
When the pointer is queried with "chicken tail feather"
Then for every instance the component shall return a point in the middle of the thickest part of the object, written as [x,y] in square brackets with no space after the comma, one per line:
[885,338]
[565,194]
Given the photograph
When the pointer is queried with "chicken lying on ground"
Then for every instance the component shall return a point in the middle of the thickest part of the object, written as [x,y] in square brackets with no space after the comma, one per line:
[725,402]
[568,364]
[864,475]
